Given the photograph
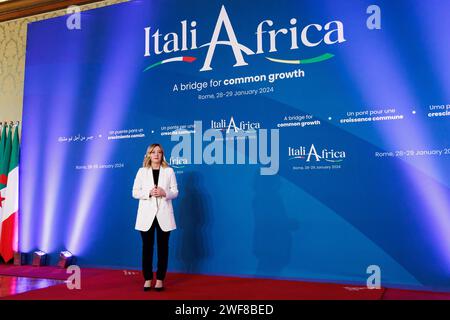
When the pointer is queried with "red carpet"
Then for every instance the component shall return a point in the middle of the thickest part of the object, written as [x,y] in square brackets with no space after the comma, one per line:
[106,284]
[399,294]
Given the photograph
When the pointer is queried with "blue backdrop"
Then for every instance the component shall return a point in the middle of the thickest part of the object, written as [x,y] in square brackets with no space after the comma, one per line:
[354,100]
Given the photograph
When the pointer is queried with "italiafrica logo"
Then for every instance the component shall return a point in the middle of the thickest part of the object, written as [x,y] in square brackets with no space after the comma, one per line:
[311,35]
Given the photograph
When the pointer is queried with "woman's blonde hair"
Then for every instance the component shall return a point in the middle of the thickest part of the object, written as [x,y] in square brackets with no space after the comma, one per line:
[147,163]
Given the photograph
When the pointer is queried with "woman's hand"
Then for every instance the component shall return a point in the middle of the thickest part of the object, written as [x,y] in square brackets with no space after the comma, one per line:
[153,192]
[158,192]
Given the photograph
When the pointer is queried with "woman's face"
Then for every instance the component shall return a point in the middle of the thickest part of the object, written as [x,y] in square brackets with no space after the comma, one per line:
[156,155]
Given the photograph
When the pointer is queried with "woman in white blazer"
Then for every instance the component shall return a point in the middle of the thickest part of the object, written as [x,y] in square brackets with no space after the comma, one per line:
[155,186]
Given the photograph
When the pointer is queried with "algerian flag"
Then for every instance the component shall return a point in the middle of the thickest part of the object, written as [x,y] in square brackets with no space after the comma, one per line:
[10,204]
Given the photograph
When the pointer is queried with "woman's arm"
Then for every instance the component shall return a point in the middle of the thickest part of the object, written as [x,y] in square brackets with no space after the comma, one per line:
[138,192]
[172,193]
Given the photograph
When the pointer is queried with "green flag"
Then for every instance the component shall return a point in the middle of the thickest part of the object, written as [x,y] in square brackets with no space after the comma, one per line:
[4,161]
[2,142]
[14,158]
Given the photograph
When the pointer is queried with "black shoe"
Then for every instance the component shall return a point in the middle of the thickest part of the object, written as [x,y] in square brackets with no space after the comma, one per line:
[149,287]
[159,289]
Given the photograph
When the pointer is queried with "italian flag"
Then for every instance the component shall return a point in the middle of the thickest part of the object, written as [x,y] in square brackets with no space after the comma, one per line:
[9,196]
[2,183]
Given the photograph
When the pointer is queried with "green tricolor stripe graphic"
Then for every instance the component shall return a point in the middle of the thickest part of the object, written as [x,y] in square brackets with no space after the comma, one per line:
[320,58]
[176,59]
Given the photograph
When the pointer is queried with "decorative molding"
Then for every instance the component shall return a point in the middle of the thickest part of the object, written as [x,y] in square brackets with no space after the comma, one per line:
[16,9]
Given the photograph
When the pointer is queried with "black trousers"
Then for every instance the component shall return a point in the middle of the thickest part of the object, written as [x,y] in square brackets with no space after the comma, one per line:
[148,240]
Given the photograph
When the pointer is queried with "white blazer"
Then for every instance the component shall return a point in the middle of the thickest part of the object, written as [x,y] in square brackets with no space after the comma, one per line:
[149,207]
